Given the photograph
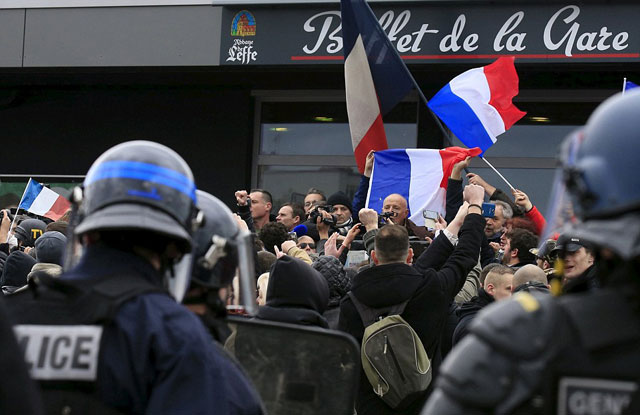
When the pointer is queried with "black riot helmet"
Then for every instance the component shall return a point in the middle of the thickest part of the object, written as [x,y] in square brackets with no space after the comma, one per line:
[603,177]
[219,230]
[221,248]
[140,186]
[29,230]
[599,175]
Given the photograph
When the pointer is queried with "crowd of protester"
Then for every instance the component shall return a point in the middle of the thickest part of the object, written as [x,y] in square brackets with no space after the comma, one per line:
[305,260]
[470,261]
[311,258]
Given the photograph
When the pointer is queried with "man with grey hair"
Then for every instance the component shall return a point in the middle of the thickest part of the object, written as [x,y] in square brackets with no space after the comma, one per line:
[530,278]
[495,225]
[504,210]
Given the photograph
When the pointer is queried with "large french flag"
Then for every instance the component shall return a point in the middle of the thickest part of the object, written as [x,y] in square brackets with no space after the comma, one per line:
[43,201]
[420,175]
[375,76]
[477,104]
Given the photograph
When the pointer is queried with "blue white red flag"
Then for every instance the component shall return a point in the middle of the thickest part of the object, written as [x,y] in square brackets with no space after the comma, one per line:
[376,78]
[477,104]
[43,201]
[420,175]
[628,85]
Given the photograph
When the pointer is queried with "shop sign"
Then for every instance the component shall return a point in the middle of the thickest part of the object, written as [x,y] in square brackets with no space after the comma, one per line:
[434,33]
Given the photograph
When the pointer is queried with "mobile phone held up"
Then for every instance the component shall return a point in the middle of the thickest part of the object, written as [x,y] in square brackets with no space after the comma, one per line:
[430,219]
[488,210]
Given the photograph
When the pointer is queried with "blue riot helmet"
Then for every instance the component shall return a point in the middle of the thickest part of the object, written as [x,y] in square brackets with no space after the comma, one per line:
[221,248]
[144,189]
[599,172]
[140,185]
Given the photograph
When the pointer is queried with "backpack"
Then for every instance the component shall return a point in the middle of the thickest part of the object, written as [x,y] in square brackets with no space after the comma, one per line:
[392,354]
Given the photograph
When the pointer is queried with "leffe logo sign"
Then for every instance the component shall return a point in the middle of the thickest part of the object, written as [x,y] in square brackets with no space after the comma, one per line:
[242,50]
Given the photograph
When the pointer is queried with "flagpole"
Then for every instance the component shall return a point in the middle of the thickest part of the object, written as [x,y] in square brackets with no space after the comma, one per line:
[444,132]
[624,84]
[498,173]
[18,209]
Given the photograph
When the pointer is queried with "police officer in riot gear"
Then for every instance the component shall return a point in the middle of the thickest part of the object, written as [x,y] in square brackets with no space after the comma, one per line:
[578,353]
[215,263]
[108,330]
[219,245]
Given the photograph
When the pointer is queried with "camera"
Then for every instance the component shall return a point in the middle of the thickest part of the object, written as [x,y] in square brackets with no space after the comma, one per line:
[316,212]
[383,218]
[10,213]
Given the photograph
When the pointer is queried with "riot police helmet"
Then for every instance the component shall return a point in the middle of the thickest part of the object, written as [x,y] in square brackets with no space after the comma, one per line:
[215,253]
[601,177]
[140,186]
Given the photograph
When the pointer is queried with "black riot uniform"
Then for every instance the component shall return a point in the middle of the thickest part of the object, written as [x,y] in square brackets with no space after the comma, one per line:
[18,393]
[579,353]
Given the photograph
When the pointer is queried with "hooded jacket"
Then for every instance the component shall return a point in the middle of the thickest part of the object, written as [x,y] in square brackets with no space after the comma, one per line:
[467,311]
[296,294]
[16,269]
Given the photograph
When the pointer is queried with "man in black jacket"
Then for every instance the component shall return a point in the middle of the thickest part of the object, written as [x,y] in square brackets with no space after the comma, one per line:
[431,284]
[497,286]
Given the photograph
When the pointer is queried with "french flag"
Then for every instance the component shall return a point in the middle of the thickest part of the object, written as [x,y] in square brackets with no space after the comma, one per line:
[477,104]
[628,85]
[376,78]
[43,201]
[420,175]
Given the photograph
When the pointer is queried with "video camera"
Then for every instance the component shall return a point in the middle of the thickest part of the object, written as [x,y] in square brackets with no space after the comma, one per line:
[316,212]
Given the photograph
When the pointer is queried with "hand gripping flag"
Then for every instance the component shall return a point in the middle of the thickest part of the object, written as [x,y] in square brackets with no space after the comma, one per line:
[476,105]
[420,175]
[376,79]
[43,201]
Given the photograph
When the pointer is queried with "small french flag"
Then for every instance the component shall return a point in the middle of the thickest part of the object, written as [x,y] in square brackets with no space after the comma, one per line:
[43,201]
[477,104]
[420,175]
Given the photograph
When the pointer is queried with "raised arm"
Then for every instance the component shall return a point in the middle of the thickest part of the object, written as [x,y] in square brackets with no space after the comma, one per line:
[360,197]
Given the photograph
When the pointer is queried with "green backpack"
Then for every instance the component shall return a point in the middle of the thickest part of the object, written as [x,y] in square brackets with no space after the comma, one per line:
[393,357]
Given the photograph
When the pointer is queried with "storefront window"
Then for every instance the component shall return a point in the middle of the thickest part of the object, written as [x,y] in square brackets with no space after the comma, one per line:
[308,144]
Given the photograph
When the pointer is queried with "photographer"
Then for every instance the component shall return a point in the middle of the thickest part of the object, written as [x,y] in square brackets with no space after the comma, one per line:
[396,205]
[342,212]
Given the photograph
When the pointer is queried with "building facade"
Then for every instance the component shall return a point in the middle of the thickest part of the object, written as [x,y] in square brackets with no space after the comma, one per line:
[251,94]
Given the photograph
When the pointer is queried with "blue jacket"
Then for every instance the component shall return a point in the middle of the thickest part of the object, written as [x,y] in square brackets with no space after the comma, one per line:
[156,356]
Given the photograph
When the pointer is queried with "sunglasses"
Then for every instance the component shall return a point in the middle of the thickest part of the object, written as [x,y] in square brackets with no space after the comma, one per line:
[303,245]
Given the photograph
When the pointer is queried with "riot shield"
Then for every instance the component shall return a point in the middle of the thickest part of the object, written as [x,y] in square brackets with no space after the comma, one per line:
[298,369]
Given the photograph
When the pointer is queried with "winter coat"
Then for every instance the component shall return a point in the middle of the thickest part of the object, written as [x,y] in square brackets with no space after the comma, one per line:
[467,311]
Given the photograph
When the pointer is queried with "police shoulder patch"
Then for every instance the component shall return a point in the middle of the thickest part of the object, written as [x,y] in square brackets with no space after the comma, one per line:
[593,396]
[60,352]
